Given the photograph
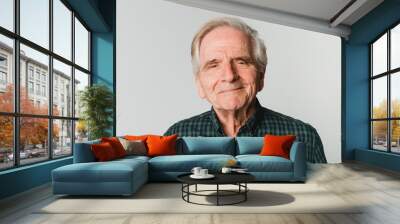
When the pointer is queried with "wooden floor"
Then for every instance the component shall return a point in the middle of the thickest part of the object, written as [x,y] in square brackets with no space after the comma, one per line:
[378,188]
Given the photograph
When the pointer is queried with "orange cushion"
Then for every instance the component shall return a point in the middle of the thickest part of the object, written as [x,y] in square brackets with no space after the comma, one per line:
[161,145]
[275,145]
[136,137]
[116,145]
[103,151]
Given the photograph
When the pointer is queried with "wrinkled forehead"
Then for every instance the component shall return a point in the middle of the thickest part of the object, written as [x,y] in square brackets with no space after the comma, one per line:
[224,39]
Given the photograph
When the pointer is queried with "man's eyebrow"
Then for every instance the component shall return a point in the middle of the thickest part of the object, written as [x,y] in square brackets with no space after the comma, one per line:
[210,62]
[245,58]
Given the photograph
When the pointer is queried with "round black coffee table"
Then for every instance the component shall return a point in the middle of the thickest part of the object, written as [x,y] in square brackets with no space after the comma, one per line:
[238,179]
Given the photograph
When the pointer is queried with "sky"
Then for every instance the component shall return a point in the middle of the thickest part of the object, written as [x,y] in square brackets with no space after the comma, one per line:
[380,66]
[34,26]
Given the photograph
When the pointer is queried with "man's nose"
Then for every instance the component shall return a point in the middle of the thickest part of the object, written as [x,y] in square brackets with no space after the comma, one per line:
[229,73]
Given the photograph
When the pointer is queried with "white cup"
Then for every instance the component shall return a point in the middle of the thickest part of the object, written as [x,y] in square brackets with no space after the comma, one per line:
[203,172]
[196,171]
[226,170]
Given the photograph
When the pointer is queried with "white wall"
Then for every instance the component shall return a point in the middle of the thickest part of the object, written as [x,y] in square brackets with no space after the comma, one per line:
[155,85]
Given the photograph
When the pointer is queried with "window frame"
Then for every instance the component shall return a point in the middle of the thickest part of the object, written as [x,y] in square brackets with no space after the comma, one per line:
[15,72]
[388,74]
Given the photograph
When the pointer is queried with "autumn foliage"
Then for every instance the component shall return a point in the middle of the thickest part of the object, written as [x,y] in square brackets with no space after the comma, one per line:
[33,131]
[380,127]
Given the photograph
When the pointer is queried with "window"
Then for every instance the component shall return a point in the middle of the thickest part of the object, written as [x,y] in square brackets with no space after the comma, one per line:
[7,14]
[55,126]
[30,72]
[81,45]
[38,89]
[3,72]
[385,91]
[43,90]
[30,87]
[3,61]
[3,78]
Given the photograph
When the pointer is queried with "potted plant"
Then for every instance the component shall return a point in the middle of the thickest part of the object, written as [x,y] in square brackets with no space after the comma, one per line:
[96,102]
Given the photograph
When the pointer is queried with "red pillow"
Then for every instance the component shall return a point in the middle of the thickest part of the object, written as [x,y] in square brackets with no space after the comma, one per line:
[116,145]
[103,151]
[275,145]
[161,145]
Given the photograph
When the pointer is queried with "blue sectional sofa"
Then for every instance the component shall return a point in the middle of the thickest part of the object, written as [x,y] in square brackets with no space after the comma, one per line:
[125,176]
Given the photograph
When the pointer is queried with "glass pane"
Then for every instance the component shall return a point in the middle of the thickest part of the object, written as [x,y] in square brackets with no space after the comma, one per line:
[34,97]
[379,135]
[62,138]
[6,142]
[395,47]
[81,45]
[35,21]
[7,14]
[6,74]
[395,136]
[33,139]
[395,94]
[62,29]
[379,97]
[81,81]
[379,55]
[81,131]
[62,89]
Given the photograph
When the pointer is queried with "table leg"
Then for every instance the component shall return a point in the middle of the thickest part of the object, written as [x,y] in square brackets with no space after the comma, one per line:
[217,194]
[245,193]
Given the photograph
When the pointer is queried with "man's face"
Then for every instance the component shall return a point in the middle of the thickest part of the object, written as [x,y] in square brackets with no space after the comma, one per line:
[228,77]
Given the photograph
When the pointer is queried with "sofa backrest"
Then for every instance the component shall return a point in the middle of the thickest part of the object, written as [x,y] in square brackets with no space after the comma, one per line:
[83,152]
[249,145]
[206,145]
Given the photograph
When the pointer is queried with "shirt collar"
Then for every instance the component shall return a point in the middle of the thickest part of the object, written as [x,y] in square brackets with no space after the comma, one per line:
[248,126]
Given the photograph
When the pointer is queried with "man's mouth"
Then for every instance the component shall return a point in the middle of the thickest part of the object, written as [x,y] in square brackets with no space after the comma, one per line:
[231,90]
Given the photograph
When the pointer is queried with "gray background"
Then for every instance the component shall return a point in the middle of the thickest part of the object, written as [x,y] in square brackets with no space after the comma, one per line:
[155,85]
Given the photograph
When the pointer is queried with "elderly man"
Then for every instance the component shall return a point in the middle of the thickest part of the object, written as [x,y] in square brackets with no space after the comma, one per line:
[229,62]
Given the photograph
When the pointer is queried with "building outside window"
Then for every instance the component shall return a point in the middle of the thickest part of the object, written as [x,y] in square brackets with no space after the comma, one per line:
[30,87]
[34,75]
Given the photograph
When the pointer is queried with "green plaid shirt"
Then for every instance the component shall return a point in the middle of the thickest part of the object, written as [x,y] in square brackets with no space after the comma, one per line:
[263,121]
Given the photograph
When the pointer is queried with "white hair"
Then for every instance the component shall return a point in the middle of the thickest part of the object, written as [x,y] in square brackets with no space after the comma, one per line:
[258,49]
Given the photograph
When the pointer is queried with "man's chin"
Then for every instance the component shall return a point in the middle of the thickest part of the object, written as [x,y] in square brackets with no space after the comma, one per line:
[231,105]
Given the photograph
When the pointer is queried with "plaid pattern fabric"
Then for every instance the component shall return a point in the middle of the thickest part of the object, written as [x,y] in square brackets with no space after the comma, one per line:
[263,121]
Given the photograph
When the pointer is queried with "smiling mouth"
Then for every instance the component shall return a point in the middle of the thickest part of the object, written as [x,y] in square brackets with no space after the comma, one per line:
[231,90]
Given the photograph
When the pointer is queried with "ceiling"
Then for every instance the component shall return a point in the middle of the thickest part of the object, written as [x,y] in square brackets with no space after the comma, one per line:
[326,16]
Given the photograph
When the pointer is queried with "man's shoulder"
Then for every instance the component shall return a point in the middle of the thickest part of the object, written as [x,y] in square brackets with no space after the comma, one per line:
[271,117]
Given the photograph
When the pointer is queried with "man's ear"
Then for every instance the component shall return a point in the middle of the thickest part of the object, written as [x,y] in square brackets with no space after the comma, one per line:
[200,90]
[260,82]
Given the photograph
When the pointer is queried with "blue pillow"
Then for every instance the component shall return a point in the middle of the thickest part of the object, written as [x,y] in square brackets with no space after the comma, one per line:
[206,145]
[249,145]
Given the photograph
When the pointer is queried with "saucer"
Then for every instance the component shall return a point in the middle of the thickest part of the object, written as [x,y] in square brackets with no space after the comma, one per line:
[208,176]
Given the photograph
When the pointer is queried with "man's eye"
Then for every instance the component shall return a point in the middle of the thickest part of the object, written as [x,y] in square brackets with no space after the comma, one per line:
[212,65]
[242,62]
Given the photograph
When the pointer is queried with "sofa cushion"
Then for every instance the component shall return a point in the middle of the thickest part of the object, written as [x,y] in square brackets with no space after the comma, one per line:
[116,145]
[103,152]
[249,145]
[83,152]
[185,163]
[277,145]
[257,163]
[161,145]
[206,145]
[111,171]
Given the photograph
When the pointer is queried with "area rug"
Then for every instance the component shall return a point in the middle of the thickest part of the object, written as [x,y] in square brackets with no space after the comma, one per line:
[167,198]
